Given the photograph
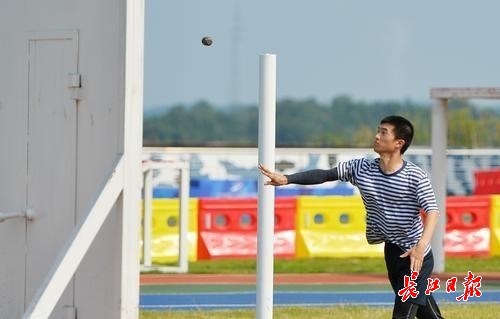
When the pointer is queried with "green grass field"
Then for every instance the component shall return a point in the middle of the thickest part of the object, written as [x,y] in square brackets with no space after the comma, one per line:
[466,311]
[333,265]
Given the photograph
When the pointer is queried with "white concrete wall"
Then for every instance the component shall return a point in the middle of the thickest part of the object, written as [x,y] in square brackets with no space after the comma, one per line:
[13,141]
[64,165]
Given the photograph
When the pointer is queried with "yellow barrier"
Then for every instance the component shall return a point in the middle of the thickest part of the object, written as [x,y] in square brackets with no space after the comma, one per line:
[165,237]
[495,226]
[332,226]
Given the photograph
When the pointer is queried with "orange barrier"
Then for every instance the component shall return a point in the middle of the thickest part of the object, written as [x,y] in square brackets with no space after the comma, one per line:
[227,227]
[467,226]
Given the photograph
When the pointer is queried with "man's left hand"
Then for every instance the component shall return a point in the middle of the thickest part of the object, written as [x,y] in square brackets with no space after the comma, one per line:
[416,257]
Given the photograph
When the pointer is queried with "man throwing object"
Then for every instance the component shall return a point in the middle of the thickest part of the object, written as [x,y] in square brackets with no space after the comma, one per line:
[394,191]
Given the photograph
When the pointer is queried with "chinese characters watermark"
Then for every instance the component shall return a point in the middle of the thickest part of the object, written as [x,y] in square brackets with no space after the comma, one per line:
[471,285]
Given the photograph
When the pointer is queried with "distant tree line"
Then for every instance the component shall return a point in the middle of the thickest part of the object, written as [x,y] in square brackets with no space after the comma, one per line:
[306,123]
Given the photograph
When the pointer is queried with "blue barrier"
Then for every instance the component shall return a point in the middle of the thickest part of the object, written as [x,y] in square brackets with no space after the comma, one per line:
[223,188]
[245,188]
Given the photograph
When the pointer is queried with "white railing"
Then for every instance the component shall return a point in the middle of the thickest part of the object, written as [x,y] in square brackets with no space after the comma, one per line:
[183,262]
[76,247]
[233,163]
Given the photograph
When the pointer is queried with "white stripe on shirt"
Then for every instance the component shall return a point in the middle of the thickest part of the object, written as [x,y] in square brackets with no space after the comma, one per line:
[392,201]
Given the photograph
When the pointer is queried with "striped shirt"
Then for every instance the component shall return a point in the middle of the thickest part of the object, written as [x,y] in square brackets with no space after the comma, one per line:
[392,201]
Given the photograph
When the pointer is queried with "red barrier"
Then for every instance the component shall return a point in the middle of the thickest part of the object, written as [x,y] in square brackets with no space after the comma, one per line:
[467,226]
[227,227]
[487,182]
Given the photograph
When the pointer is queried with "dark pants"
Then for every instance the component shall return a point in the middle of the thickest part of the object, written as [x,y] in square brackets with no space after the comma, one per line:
[423,306]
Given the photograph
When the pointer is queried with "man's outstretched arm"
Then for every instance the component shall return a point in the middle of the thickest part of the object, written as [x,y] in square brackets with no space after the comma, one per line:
[311,177]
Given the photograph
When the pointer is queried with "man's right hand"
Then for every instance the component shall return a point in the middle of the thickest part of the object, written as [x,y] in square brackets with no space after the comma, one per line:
[275,179]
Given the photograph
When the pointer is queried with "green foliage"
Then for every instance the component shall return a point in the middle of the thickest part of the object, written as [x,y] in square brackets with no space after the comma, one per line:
[307,123]
[474,128]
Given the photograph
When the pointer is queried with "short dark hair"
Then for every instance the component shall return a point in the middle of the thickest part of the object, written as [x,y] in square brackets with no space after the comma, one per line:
[403,129]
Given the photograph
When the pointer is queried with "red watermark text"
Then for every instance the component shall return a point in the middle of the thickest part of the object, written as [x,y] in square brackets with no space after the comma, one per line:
[471,285]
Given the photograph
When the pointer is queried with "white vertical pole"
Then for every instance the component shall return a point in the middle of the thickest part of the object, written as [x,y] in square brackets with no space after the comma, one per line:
[183,218]
[439,145]
[148,216]
[132,147]
[265,234]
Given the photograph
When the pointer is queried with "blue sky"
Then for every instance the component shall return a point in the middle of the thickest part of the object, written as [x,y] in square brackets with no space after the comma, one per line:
[370,50]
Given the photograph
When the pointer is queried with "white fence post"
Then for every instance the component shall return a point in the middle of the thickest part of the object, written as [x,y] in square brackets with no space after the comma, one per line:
[148,217]
[183,220]
[265,233]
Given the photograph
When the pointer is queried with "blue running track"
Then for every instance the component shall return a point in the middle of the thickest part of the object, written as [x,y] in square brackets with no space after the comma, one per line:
[218,300]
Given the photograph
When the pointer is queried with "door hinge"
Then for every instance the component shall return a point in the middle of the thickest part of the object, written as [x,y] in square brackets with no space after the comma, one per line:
[74,83]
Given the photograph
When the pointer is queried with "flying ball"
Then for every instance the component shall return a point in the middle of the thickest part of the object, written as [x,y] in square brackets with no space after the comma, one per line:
[207,41]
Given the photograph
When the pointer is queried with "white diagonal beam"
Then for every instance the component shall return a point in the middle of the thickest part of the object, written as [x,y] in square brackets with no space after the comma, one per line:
[76,247]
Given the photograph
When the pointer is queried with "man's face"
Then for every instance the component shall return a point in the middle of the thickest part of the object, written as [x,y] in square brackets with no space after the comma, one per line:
[385,141]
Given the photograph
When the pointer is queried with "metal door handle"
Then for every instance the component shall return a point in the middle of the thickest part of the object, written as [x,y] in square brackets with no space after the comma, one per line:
[28,214]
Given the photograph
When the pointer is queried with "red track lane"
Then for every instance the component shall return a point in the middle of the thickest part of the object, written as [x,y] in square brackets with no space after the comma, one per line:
[162,279]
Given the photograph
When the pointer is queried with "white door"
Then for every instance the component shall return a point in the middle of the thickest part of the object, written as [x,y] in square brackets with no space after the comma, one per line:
[52,147]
